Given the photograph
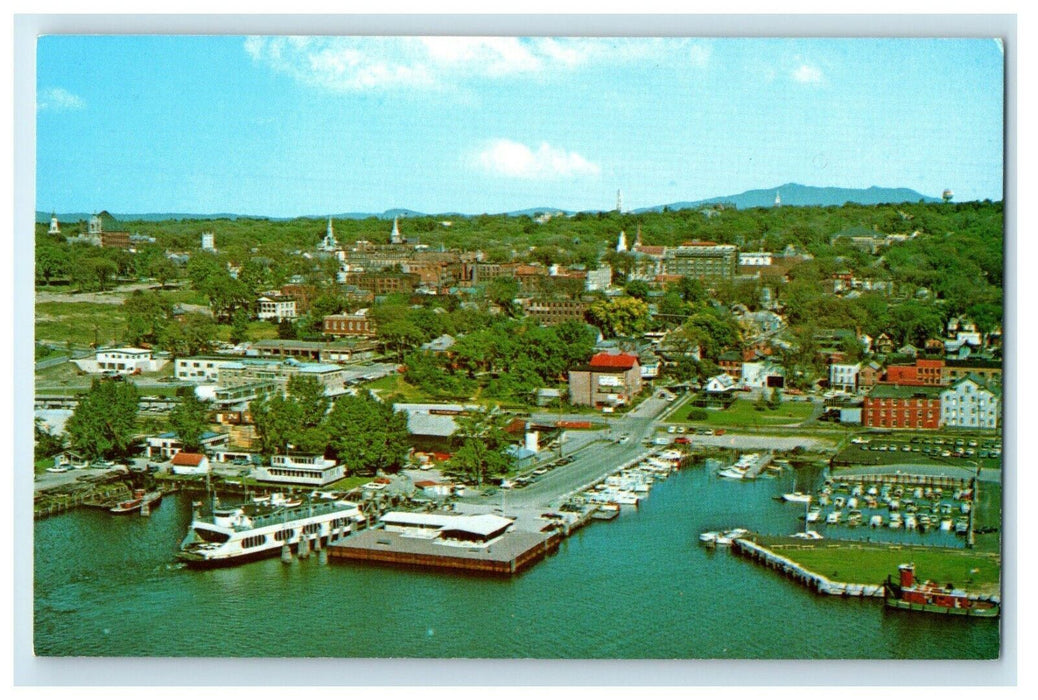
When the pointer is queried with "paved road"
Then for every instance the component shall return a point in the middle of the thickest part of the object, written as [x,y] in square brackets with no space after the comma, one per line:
[593,463]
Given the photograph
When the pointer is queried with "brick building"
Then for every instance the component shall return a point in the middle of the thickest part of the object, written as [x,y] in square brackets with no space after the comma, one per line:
[895,406]
[922,373]
[358,324]
[550,312]
[607,380]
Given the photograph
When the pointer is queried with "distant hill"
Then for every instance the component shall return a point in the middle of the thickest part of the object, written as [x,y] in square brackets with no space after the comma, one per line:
[794,195]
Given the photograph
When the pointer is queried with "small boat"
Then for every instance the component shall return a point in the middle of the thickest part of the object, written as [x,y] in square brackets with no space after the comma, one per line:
[833,518]
[813,515]
[965,507]
[796,497]
[908,594]
[876,521]
[910,522]
[873,491]
[852,503]
[709,538]
[946,524]
[894,505]
[962,526]
[854,518]
[606,511]
[725,538]
[839,502]
[58,470]
[139,501]
[895,521]
[807,535]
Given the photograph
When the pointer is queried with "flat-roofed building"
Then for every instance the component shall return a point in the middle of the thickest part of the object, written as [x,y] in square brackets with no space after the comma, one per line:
[704,260]
[305,470]
[121,361]
[358,324]
[551,312]
[895,406]
[276,308]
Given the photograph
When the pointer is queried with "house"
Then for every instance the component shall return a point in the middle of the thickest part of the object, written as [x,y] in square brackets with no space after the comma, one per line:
[167,445]
[895,406]
[439,346]
[607,380]
[869,375]
[305,470]
[884,344]
[970,403]
[190,464]
[275,308]
[121,361]
[844,377]
[721,384]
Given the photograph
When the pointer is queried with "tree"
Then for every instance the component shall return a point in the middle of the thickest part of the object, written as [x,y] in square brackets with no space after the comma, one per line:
[189,419]
[162,269]
[147,315]
[240,326]
[367,435]
[482,442]
[45,443]
[193,334]
[103,423]
[622,316]
[639,289]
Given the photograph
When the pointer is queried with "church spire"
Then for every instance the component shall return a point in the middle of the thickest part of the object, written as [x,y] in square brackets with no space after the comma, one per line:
[621,243]
[394,237]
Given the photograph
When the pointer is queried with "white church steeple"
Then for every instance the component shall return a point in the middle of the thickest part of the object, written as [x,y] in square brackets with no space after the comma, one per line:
[394,237]
[329,243]
[621,243]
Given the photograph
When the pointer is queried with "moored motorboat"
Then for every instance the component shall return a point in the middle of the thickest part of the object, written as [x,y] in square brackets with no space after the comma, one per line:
[796,497]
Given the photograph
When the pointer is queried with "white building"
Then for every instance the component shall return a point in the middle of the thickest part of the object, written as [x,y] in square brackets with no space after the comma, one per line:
[190,464]
[306,470]
[275,308]
[599,280]
[844,377]
[757,374]
[167,445]
[54,227]
[969,403]
[720,384]
[208,241]
[759,258]
[121,361]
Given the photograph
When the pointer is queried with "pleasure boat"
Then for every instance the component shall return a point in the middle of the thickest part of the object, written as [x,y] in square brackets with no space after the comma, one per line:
[796,497]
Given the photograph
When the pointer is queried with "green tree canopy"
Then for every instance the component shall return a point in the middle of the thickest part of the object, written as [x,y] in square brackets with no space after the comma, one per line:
[103,424]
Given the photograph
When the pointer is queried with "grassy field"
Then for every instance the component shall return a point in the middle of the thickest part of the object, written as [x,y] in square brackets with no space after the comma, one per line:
[870,563]
[80,322]
[743,414]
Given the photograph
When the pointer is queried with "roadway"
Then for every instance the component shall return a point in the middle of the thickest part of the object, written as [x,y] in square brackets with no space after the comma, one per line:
[593,463]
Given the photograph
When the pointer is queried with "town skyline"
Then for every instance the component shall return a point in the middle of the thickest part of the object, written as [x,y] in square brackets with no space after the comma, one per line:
[293,126]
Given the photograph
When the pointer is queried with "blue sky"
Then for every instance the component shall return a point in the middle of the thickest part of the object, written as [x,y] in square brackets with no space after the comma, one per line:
[283,126]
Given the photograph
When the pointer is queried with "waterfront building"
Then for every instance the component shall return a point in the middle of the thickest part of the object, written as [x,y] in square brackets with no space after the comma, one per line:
[121,361]
[606,381]
[303,470]
[896,406]
[190,464]
[970,403]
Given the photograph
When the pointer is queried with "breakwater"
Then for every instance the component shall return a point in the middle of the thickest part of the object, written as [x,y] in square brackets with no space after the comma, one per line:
[793,570]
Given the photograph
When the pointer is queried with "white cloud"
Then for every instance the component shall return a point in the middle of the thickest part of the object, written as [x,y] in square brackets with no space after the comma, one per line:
[58,100]
[806,73]
[512,159]
[347,64]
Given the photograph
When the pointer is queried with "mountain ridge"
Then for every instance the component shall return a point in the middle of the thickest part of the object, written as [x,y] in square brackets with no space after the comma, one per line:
[791,194]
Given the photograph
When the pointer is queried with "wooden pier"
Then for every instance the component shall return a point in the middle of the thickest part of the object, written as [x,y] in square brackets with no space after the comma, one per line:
[816,582]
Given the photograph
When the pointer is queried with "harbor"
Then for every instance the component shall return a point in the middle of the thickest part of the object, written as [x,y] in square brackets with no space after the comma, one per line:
[648,556]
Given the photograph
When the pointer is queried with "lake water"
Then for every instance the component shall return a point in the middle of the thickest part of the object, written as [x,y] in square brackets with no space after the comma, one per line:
[636,587]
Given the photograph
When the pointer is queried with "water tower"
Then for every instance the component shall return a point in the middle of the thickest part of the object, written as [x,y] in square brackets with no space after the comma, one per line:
[947,195]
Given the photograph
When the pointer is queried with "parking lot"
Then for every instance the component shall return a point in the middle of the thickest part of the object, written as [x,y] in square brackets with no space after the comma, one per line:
[967,451]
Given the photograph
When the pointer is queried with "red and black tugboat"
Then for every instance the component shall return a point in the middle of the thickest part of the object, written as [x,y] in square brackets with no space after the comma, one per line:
[908,594]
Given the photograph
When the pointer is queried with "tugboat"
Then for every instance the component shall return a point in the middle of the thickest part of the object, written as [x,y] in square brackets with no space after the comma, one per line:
[908,594]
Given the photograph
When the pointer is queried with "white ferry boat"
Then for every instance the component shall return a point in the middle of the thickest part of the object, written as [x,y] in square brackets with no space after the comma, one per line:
[237,534]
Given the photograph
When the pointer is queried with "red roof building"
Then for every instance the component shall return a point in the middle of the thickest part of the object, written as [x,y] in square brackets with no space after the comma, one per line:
[187,459]
[621,361]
